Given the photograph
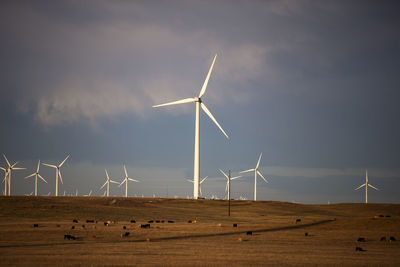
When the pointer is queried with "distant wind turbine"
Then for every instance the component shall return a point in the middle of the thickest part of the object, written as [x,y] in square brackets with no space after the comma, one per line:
[126,179]
[9,170]
[36,174]
[201,194]
[88,195]
[256,171]
[366,186]
[199,103]
[108,181]
[228,183]
[58,172]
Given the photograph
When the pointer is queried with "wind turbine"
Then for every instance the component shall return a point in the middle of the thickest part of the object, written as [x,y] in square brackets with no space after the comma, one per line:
[5,180]
[366,186]
[88,195]
[228,183]
[126,179]
[36,174]
[108,181]
[201,194]
[256,171]
[9,170]
[58,172]
[199,103]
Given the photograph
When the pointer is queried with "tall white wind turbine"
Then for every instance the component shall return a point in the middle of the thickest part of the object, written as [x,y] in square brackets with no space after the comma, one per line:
[10,168]
[108,181]
[126,179]
[199,103]
[256,171]
[366,186]
[36,174]
[201,194]
[58,172]
[228,183]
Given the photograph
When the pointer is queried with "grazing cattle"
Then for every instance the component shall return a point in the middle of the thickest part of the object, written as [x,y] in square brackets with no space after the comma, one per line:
[388,216]
[69,237]
[235,225]
[383,238]
[89,221]
[124,227]
[36,225]
[157,221]
[249,233]
[73,227]
[190,221]
[305,234]
[392,239]
[151,221]
[75,221]
[106,224]
[126,234]
[298,220]
[380,215]
[361,239]
[147,225]
[133,221]
[360,249]
[83,226]
[170,221]
[162,221]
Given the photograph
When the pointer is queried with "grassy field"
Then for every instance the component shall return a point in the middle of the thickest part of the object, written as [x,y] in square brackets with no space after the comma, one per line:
[210,239]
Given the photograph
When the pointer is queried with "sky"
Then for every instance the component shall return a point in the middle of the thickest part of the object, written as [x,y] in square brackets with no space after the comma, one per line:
[313,85]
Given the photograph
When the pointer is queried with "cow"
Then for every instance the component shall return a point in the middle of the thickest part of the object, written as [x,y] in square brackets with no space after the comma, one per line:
[361,239]
[126,234]
[151,221]
[36,225]
[298,220]
[89,221]
[392,239]
[124,227]
[170,221]
[235,225]
[383,238]
[83,226]
[73,227]
[157,221]
[360,249]
[249,233]
[75,221]
[305,234]
[133,221]
[147,225]
[69,237]
[106,224]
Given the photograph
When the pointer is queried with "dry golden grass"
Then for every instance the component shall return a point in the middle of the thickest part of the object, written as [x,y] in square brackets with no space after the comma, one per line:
[276,238]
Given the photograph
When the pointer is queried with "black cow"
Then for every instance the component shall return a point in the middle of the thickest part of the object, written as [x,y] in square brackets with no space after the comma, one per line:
[126,234]
[392,238]
[133,221]
[36,225]
[361,239]
[249,233]
[124,227]
[89,221]
[106,224]
[157,221]
[360,249]
[170,221]
[147,225]
[298,220]
[383,238]
[73,227]
[235,225]
[69,237]
[75,221]
[305,234]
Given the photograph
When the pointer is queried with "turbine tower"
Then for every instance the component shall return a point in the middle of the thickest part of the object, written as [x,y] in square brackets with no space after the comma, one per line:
[256,171]
[36,174]
[108,181]
[199,103]
[126,179]
[366,186]
[58,172]
[201,194]
[228,183]
[5,180]
[10,168]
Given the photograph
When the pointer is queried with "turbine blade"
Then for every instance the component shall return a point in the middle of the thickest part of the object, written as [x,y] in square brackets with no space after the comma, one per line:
[236,177]
[359,187]
[133,180]
[204,87]
[111,181]
[33,174]
[42,178]
[16,169]
[126,173]
[38,166]
[203,106]
[182,101]
[8,163]
[227,177]
[373,187]
[63,161]
[108,178]
[190,180]
[201,193]
[258,163]
[1,168]
[12,166]
[262,176]
[59,174]
[103,185]
[49,165]
[249,170]
[123,181]
[203,179]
